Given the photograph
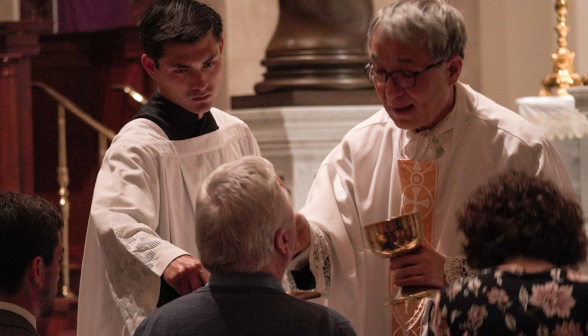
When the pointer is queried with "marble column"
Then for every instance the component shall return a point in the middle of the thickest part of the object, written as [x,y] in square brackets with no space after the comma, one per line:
[296,139]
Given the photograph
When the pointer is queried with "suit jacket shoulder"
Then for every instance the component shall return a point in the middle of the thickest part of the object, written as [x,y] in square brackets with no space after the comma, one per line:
[12,324]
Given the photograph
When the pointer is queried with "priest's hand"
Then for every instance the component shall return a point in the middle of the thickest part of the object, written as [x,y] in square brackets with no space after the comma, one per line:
[421,267]
[186,274]
[302,233]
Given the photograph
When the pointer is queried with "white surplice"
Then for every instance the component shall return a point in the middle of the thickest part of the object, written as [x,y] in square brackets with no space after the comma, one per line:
[358,184]
[142,217]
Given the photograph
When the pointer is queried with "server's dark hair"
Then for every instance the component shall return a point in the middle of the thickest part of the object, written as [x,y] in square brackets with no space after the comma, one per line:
[177,21]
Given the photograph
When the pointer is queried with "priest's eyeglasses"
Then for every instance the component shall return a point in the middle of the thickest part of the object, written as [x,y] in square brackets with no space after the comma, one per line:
[406,79]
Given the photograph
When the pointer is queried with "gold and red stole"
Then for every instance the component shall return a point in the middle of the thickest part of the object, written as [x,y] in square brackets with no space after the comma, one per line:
[418,180]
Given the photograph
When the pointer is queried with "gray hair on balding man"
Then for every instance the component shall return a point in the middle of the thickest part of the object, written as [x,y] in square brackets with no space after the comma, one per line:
[437,25]
[239,210]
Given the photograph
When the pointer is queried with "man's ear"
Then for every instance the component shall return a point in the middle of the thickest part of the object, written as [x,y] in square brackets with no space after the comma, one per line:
[283,242]
[149,65]
[454,69]
[37,271]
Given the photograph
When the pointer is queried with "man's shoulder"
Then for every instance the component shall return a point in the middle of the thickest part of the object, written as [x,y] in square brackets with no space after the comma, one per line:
[198,304]
[369,131]
[223,118]
[378,121]
[491,116]
[338,324]
[15,325]
[335,315]
[140,130]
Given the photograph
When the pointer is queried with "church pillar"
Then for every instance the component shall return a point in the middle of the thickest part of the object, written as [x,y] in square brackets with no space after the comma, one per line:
[318,45]
[316,56]
[315,89]
[19,41]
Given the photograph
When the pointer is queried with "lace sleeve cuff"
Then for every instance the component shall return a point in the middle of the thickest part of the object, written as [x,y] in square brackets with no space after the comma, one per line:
[456,267]
[320,259]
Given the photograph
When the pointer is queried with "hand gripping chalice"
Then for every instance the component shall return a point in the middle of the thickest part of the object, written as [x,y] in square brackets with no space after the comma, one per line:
[390,238]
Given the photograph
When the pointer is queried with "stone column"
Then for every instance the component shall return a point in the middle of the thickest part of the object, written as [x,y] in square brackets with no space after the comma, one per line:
[318,45]
[315,89]
[316,56]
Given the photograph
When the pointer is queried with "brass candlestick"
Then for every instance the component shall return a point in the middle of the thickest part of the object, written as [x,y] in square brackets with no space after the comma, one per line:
[563,75]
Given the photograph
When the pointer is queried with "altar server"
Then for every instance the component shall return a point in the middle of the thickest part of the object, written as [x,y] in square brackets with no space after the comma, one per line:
[140,247]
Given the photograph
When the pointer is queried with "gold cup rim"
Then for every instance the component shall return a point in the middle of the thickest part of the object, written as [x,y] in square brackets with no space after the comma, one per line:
[410,214]
[387,254]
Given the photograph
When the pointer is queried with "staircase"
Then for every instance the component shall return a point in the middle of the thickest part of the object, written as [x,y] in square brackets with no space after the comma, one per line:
[63,321]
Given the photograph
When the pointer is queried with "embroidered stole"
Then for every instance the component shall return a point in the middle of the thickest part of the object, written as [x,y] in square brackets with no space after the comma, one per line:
[418,180]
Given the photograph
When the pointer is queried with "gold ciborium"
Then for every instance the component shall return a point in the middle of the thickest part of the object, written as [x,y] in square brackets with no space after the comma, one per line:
[390,238]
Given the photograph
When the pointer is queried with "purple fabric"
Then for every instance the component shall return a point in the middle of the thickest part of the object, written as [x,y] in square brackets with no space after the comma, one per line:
[92,15]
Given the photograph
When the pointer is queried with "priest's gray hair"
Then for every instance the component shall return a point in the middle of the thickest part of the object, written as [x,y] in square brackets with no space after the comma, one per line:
[437,25]
[239,210]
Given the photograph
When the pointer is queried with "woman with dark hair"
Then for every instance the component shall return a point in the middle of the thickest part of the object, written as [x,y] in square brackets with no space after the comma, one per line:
[526,238]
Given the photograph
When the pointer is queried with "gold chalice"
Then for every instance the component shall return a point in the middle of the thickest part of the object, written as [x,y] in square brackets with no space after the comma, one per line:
[393,237]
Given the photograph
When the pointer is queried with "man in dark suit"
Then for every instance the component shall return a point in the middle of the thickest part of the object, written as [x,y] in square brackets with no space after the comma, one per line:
[246,235]
[30,250]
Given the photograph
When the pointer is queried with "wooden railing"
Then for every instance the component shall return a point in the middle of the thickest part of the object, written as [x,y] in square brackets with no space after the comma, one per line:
[104,135]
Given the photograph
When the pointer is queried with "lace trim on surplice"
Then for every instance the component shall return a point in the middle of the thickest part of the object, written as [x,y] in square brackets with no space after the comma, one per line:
[457,267]
[319,262]
[320,259]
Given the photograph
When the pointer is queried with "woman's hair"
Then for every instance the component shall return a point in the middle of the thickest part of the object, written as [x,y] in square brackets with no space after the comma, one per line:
[177,21]
[517,215]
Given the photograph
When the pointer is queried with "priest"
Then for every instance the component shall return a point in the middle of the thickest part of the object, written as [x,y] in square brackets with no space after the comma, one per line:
[140,247]
[435,141]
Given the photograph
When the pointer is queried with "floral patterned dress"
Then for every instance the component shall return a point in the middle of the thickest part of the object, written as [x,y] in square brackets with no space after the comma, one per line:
[499,302]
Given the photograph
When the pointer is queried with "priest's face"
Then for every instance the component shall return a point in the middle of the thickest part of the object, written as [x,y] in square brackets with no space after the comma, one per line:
[431,98]
[189,74]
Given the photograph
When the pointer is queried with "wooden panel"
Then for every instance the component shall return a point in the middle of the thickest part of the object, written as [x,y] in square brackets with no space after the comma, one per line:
[21,38]
[9,146]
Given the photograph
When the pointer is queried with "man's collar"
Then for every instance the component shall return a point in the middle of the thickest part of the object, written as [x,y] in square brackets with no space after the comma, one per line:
[246,279]
[175,121]
[20,311]
[169,106]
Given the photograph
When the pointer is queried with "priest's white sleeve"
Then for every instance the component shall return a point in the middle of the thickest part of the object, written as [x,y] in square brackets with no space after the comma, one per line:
[333,218]
[317,257]
[125,214]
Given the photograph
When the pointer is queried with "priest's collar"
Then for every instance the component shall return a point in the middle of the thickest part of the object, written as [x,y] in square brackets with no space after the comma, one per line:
[175,121]
[431,144]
